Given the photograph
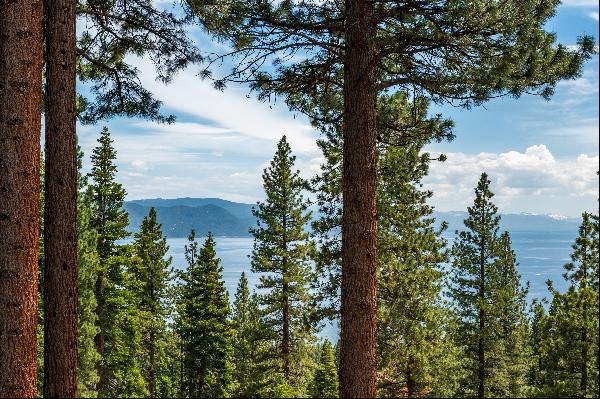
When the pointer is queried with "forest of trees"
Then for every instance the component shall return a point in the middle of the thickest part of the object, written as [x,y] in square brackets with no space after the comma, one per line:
[453,320]
[88,310]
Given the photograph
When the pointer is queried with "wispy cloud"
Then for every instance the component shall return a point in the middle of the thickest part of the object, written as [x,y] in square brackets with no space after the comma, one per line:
[231,109]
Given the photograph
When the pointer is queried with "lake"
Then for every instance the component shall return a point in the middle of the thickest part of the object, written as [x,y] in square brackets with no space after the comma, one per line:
[541,256]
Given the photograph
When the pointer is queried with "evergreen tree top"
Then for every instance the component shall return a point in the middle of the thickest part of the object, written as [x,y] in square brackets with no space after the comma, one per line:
[483,220]
[582,271]
[461,51]
[109,217]
[103,157]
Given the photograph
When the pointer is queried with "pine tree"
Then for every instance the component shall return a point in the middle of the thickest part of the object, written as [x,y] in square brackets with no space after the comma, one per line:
[87,273]
[406,241]
[416,354]
[474,259]
[538,344]
[152,276]
[569,336]
[325,380]
[281,252]
[350,49]
[122,361]
[509,302]
[204,324]
[21,55]
[110,220]
[251,345]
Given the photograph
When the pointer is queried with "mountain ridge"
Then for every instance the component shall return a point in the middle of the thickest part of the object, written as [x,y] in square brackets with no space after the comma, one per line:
[233,219]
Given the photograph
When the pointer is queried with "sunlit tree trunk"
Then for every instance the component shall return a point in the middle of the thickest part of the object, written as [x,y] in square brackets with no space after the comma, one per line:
[20,124]
[358,303]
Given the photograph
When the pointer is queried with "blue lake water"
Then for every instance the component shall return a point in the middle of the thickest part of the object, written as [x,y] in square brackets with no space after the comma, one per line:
[541,256]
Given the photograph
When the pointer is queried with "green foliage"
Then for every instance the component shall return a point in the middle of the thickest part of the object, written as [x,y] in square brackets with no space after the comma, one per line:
[487,291]
[87,273]
[325,382]
[152,275]
[281,254]
[509,297]
[251,345]
[475,50]
[108,216]
[400,123]
[416,353]
[39,329]
[118,319]
[122,363]
[566,338]
[114,32]
[203,323]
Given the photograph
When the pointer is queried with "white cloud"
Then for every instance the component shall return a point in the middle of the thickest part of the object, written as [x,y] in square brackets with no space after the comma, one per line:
[533,180]
[594,15]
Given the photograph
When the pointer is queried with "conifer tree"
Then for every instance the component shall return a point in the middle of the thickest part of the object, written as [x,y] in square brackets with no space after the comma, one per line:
[311,51]
[110,220]
[251,347]
[406,241]
[509,302]
[123,361]
[87,273]
[325,382]
[569,333]
[416,354]
[281,252]
[152,275]
[114,31]
[204,324]
[474,258]
[538,336]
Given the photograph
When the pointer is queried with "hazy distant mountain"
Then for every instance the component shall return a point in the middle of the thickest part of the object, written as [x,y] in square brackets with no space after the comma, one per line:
[233,219]
[179,216]
[515,222]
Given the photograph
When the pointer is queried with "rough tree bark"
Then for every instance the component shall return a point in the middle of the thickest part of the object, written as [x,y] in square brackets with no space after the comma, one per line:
[60,236]
[358,302]
[20,123]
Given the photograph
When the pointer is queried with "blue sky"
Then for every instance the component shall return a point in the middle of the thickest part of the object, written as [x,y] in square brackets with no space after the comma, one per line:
[542,156]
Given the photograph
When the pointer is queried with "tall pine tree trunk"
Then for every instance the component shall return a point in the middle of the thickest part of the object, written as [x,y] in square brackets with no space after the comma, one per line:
[411,384]
[584,333]
[20,123]
[358,302]
[152,371]
[60,234]
[99,339]
[285,342]
[481,337]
